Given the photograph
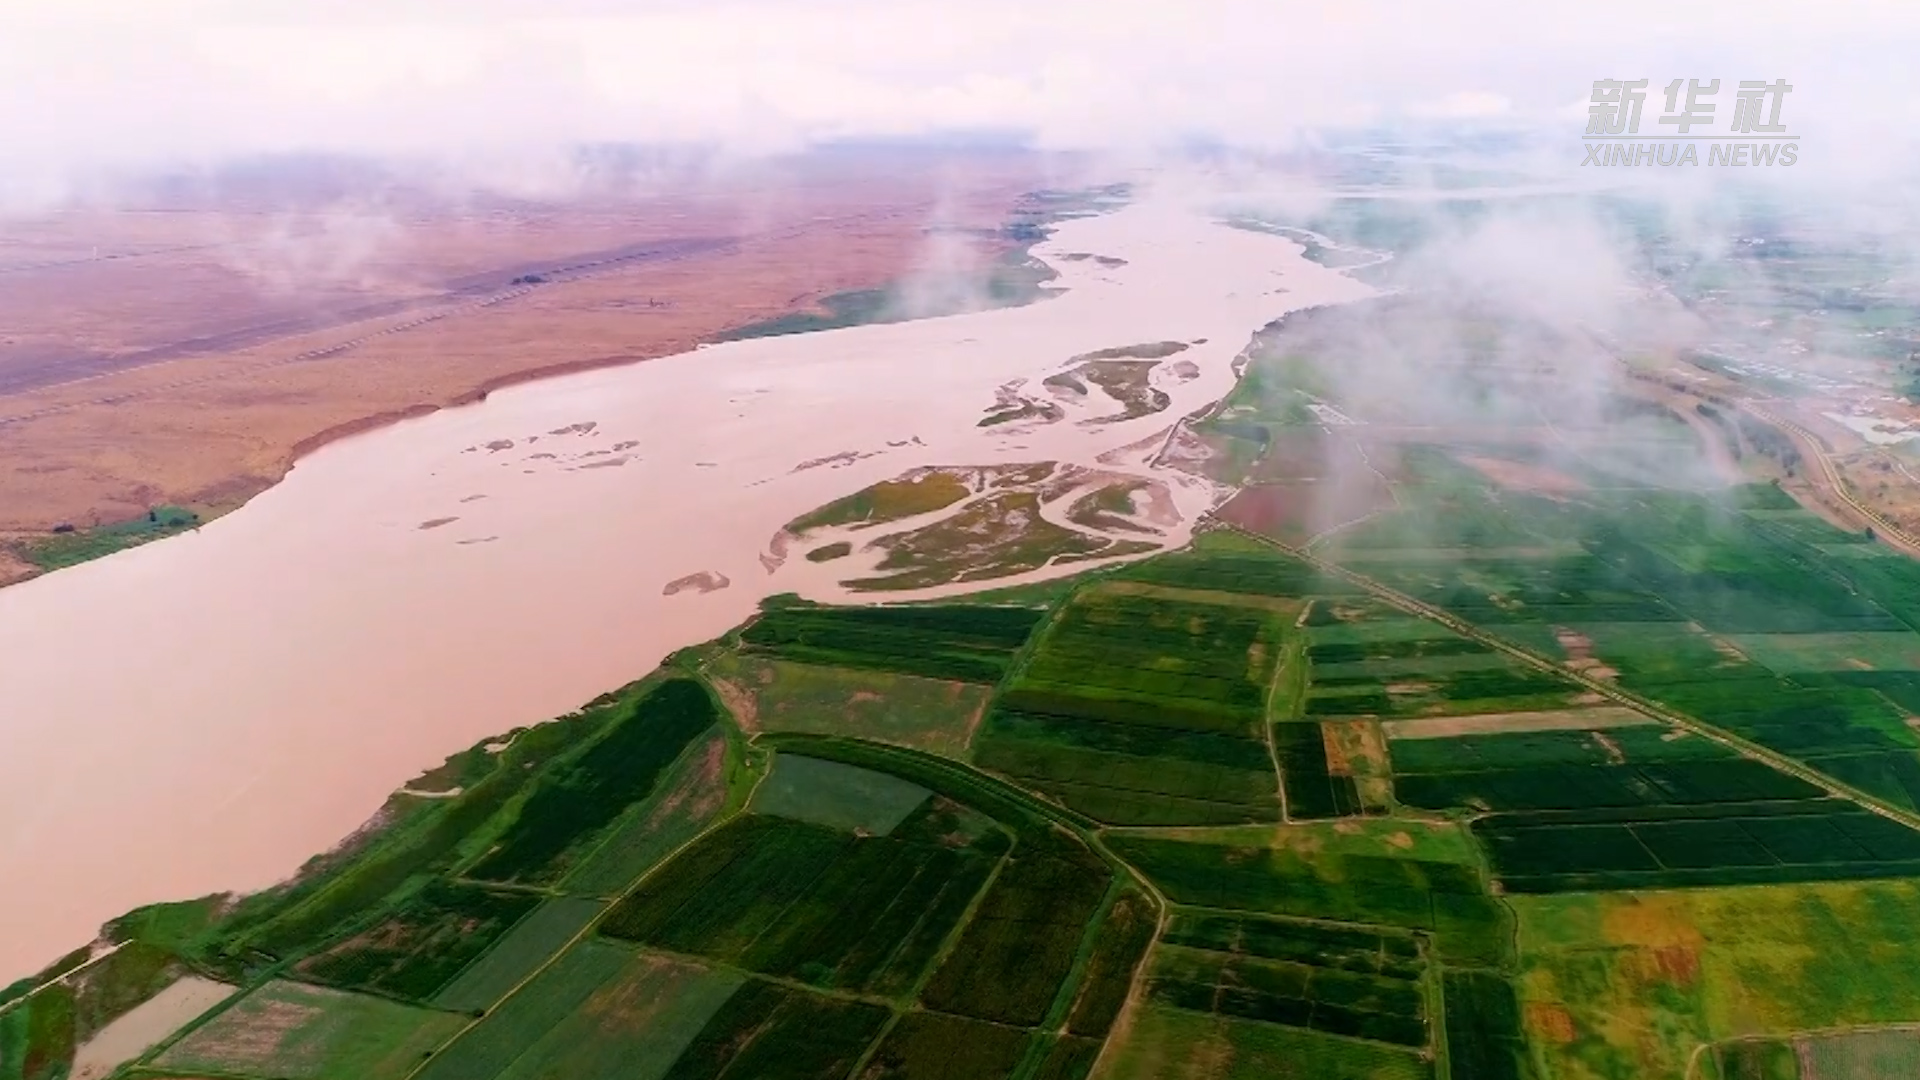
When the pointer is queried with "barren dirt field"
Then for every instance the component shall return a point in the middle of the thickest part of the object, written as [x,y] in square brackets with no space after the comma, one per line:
[186,351]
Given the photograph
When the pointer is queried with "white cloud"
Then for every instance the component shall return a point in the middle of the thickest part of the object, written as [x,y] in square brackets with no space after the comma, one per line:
[87,83]
[1463,105]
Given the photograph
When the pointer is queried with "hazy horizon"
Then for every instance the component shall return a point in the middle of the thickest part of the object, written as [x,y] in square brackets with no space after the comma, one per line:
[502,93]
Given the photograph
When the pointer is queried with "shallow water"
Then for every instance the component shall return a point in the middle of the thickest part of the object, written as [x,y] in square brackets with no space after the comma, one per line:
[204,713]
[140,1030]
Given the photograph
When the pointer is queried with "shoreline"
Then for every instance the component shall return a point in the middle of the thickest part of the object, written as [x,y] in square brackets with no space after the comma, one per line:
[228,495]
[453,639]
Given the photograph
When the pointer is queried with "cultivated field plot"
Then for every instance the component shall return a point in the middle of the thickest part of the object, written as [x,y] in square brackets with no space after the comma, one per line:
[773,1031]
[1125,933]
[1844,718]
[844,797]
[1646,764]
[1036,922]
[1631,984]
[133,1033]
[1411,889]
[1146,705]
[1715,843]
[1319,781]
[1342,981]
[1356,755]
[635,1025]
[709,778]
[1734,614]
[814,902]
[1485,1039]
[1855,1055]
[1311,453]
[1395,675]
[1224,562]
[1020,944]
[532,942]
[964,643]
[1297,511]
[535,1008]
[1309,480]
[937,715]
[421,945]
[1164,1041]
[942,1047]
[286,1029]
[576,800]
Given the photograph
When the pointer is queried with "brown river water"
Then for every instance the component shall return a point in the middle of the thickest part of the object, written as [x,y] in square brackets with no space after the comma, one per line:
[204,713]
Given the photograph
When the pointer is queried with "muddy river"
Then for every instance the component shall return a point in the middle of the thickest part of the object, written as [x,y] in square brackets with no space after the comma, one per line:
[204,713]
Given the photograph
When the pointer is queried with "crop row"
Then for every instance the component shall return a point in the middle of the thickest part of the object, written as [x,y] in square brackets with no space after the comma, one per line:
[1251,575]
[1843,842]
[423,944]
[1484,1037]
[936,1045]
[1341,947]
[1118,947]
[968,643]
[577,799]
[771,1031]
[1439,644]
[1019,946]
[1110,671]
[1296,995]
[1637,744]
[1312,791]
[1108,705]
[1567,787]
[1248,784]
[807,902]
[1447,899]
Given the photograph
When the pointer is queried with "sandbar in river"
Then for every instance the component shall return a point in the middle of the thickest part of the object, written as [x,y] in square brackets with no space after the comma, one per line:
[205,713]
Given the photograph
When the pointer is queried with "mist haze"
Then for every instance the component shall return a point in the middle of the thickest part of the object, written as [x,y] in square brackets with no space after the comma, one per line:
[502,92]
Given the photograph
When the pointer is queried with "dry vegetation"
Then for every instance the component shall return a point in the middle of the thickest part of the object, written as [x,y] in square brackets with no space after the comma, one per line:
[186,352]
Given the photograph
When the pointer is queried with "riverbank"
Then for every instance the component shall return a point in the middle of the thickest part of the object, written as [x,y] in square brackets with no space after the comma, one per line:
[245,694]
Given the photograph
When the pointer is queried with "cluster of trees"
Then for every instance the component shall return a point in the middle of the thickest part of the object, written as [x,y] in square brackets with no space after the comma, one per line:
[1771,441]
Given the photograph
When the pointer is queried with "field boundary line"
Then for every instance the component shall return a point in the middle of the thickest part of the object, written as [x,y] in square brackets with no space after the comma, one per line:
[939,957]
[1738,743]
[592,926]
[1292,651]
[1801,1033]
[64,976]
[641,807]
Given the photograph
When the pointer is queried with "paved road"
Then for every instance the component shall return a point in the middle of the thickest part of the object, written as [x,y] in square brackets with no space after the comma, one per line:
[1603,688]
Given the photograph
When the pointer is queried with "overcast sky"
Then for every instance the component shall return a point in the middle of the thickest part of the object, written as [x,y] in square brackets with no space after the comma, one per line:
[86,83]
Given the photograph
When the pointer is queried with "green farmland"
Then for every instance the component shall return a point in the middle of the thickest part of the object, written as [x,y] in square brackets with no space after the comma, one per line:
[1225,808]
[1486,785]
[1226,812]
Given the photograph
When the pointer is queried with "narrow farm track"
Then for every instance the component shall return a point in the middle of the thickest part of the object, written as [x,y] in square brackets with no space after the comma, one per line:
[1605,689]
[65,975]
[1826,1032]
[1829,480]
